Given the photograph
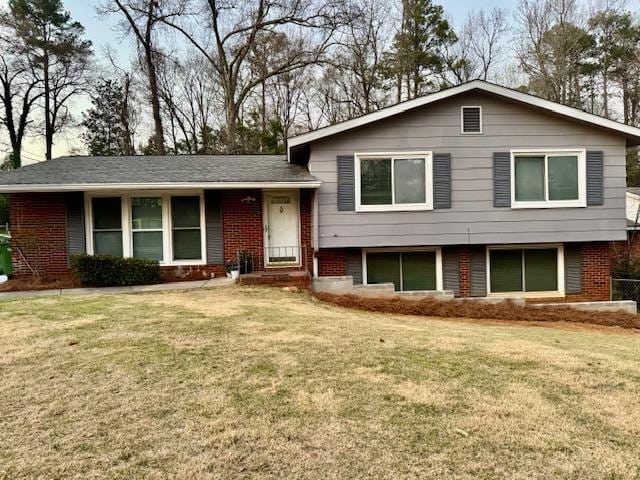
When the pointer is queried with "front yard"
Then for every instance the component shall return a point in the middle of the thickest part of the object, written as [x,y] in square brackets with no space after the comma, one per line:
[262,383]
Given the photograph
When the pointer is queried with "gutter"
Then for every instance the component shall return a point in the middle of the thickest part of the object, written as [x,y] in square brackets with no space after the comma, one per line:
[74,187]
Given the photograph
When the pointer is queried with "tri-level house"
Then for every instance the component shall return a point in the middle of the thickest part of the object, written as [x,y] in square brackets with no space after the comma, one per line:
[477,189]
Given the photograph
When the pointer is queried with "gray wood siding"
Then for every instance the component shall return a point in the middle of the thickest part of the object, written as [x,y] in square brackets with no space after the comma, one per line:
[472,218]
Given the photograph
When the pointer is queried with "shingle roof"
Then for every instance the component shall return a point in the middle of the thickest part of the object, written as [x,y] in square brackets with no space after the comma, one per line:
[152,170]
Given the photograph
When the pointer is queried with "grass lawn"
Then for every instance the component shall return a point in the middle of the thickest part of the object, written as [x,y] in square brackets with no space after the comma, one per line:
[261,383]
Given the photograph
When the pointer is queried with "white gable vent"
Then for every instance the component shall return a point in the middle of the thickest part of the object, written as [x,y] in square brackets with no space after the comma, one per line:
[471,119]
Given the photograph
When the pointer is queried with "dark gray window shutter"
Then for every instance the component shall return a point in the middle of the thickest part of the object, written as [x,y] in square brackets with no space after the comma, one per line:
[353,265]
[442,180]
[451,270]
[502,179]
[213,225]
[76,241]
[471,122]
[346,183]
[595,178]
[478,271]
[572,269]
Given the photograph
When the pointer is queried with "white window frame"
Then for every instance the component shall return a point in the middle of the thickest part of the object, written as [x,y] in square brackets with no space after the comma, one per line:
[167,227]
[560,292]
[438,250]
[392,156]
[581,201]
[462,131]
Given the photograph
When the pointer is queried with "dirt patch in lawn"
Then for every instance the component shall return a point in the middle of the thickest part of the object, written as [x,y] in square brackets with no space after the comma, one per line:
[432,307]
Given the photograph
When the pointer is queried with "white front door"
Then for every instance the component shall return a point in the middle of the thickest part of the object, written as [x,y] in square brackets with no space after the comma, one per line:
[281,227]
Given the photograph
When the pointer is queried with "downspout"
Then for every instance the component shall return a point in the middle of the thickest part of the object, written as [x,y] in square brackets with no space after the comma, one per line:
[315,232]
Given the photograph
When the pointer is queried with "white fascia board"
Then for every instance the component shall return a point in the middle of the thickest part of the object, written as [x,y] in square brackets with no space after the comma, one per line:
[152,186]
[450,92]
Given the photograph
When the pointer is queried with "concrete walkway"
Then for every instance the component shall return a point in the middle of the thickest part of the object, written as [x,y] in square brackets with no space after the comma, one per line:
[161,287]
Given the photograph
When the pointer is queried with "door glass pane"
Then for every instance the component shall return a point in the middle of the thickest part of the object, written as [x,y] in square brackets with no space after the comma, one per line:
[409,180]
[419,271]
[185,211]
[563,178]
[375,182]
[529,178]
[147,245]
[187,245]
[506,270]
[383,268]
[541,270]
[107,243]
[107,213]
[146,213]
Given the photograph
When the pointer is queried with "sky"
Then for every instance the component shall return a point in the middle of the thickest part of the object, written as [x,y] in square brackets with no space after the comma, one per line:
[102,32]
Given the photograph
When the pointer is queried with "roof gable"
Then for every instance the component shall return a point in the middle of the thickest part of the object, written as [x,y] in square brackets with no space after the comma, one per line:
[632,134]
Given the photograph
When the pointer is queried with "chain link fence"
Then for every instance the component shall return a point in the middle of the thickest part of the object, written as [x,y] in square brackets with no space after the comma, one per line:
[625,289]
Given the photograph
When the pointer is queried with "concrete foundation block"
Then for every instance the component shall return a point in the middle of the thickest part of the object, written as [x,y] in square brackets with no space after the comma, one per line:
[341,284]
[627,306]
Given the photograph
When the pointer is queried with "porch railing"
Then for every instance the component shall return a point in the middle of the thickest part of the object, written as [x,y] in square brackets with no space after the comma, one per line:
[286,256]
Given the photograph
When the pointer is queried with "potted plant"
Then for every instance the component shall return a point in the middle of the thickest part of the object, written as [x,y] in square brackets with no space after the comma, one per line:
[232,269]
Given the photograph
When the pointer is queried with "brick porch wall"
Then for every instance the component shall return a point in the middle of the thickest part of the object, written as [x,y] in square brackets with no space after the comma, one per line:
[243,226]
[38,234]
[331,262]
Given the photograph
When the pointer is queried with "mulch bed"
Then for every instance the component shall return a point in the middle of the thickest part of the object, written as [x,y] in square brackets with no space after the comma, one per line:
[34,283]
[433,307]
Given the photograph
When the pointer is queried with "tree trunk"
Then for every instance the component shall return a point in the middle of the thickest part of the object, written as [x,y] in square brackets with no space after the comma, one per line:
[48,127]
[158,137]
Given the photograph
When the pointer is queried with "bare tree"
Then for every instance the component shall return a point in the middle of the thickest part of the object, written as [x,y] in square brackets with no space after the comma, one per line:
[142,19]
[479,48]
[554,49]
[235,26]
[19,92]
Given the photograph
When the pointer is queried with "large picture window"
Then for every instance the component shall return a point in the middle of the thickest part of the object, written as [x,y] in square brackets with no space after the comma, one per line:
[524,270]
[408,271]
[394,182]
[548,179]
[162,227]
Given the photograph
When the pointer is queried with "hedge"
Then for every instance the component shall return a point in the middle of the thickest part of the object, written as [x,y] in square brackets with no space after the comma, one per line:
[108,271]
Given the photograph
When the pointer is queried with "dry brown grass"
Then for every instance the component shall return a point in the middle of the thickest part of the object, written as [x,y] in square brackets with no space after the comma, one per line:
[260,383]
[434,307]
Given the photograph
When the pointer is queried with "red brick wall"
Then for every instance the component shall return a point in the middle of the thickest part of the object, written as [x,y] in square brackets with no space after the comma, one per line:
[38,233]
[243,226]
[596,271]
[331,262]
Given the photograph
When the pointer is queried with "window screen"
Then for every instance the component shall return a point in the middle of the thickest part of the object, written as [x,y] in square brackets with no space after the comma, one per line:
[107,226]
[146,227]
[186,229]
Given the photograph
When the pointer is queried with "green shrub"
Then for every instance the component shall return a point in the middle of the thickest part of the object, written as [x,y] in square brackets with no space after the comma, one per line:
[108,271]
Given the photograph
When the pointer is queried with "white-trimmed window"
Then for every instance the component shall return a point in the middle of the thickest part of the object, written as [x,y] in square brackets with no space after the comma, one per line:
[548,178]
[528,270]
[106,222]
[471,120]
[168,227]
[409,269]
[394,181]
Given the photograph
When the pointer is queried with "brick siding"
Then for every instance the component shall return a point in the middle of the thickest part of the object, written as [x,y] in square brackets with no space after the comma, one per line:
[331,262]
[38,234]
